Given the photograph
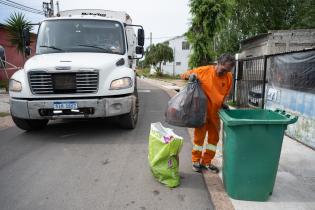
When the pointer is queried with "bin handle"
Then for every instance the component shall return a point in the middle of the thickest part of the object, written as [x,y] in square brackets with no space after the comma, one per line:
[292,118]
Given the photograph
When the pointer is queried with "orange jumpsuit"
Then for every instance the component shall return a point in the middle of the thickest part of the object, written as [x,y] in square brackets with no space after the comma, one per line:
[216,89]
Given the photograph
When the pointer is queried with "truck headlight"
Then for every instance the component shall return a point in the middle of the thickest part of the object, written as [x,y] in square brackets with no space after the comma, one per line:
[15,86]
[121,83]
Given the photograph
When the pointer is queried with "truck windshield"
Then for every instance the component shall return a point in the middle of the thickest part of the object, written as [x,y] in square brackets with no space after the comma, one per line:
[101,36]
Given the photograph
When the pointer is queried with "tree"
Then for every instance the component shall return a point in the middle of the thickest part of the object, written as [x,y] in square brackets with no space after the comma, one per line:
[304,16]
[15,25]
[218,26]
[157,54]
[208,16]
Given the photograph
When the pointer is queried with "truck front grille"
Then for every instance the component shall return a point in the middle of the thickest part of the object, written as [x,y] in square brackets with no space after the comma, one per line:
[63,83]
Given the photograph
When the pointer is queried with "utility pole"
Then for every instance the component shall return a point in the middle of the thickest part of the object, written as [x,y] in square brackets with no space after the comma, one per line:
[151,66]
[52,8]
[174,62]
[48,8]
[58,10]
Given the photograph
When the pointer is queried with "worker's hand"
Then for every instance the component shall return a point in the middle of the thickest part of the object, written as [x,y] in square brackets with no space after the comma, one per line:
[192,78]
[225,107]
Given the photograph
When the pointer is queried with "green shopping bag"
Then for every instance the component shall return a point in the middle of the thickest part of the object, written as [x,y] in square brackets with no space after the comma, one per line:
[164,148]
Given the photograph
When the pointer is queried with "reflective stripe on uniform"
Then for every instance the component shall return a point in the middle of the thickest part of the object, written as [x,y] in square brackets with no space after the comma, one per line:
[211,147]
[197,148]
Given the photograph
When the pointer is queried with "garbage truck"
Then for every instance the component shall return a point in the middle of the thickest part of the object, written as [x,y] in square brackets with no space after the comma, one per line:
[83,67]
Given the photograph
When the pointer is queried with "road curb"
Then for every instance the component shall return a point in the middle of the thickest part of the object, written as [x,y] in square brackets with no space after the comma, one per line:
[219,197]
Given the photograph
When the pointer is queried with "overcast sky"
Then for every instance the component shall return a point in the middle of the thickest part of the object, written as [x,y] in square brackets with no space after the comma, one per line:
[164,18]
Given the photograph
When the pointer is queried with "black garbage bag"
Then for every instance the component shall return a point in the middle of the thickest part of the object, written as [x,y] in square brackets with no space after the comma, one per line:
[188,107]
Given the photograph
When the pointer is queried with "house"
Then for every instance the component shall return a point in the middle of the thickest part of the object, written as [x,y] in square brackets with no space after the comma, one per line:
[287,59]
[181,51]
[11,54]
[277,41]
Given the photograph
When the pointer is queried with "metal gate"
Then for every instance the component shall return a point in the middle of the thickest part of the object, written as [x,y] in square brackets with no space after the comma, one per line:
[249,82]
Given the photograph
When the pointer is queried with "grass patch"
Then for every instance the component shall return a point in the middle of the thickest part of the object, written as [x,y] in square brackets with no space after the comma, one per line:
[4,84]
[231,103]
[4,114]
[146,73]
[166,76]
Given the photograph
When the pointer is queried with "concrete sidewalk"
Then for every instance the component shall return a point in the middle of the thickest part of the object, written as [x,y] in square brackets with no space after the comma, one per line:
[4,103]
[5,121]
[295,182]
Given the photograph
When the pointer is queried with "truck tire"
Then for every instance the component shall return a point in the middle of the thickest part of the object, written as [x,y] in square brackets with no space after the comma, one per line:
[129,120]
[29,125]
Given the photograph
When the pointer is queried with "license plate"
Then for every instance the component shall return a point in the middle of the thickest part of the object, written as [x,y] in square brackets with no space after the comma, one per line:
[65,105]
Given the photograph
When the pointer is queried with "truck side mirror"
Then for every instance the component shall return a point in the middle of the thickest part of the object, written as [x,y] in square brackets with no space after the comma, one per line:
[139,50]
[26,37]
[141,37]
[27,51]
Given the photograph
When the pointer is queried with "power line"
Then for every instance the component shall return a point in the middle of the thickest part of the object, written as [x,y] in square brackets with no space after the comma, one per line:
[162,37]
[24,6]
[21,8]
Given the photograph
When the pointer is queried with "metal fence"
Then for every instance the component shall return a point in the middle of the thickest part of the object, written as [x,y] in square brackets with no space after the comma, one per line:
[250,80]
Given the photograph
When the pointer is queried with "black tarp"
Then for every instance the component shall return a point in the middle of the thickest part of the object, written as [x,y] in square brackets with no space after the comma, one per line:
[295,71]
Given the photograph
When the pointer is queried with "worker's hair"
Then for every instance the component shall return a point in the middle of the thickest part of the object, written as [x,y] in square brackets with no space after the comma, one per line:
[226,58]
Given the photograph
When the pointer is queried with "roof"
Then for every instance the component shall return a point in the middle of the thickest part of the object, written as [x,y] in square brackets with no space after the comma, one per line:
[254,38]
[312,30]
[264,35]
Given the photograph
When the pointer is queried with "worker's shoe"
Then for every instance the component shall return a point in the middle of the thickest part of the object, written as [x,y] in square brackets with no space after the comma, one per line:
[211,168]
[196,166]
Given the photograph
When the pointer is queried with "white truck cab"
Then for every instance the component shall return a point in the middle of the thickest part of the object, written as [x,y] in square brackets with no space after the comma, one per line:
[84,67]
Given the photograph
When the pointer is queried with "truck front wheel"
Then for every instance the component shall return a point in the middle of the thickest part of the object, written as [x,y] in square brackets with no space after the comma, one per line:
[29,125]
[129,120]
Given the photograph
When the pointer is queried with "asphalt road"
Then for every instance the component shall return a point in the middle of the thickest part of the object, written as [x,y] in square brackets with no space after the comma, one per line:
[93,164]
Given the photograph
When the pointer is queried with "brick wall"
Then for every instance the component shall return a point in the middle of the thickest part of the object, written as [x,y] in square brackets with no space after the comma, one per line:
[12,56]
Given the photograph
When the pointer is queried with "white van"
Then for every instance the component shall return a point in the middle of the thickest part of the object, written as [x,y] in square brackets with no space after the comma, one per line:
[84,67]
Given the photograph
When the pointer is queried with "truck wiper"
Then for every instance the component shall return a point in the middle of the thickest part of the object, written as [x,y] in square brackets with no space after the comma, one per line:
[52,47]
[95,46]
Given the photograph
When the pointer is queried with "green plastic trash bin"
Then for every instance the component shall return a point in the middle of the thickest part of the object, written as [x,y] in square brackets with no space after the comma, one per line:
[252,141]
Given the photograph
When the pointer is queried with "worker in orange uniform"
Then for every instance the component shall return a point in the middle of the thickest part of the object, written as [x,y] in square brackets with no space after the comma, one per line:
[216,82]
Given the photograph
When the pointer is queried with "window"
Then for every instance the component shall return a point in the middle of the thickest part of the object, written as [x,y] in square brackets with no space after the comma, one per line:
[81,35]
[185,46]
[178,63]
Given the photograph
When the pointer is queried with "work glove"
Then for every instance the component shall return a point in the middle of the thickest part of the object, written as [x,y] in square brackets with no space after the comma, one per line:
[192,78]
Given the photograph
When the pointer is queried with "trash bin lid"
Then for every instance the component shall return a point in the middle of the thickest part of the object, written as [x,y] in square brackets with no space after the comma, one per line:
[256,116]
